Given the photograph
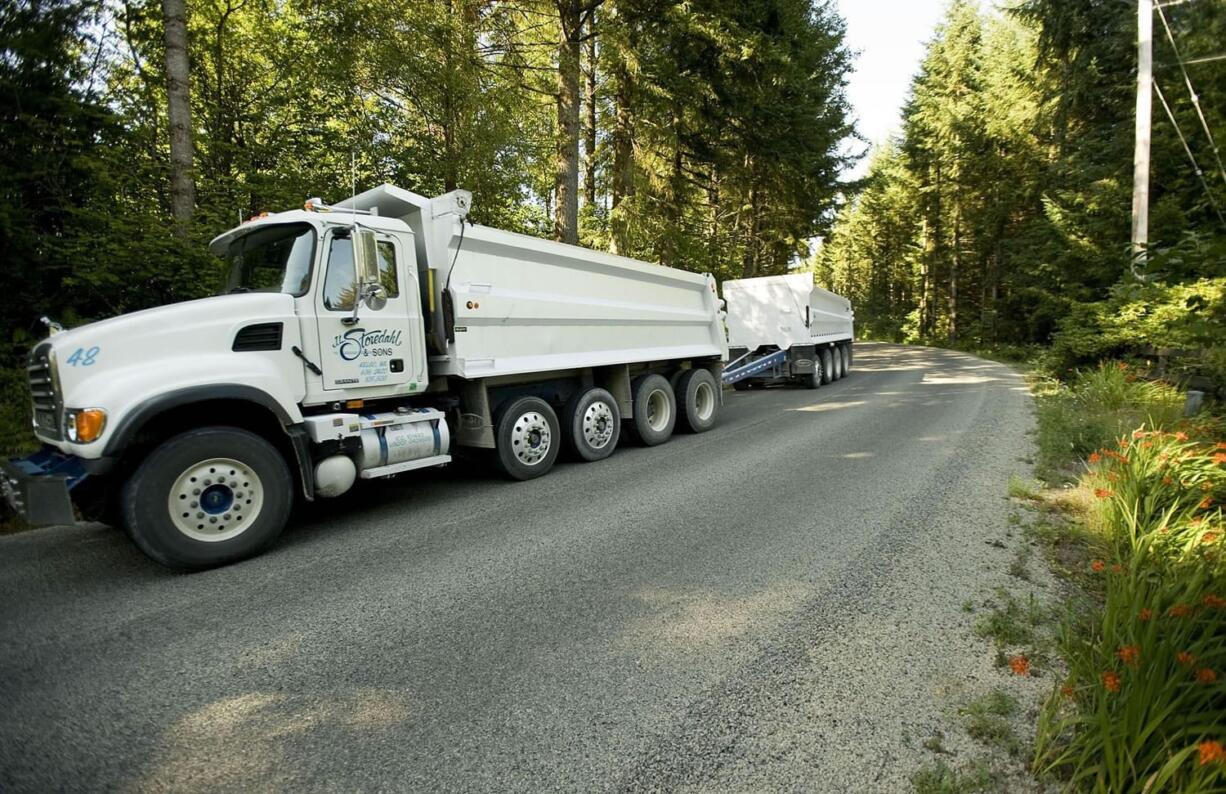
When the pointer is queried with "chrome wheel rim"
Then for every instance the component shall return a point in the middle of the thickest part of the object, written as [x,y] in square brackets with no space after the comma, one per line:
[704,401]
[659,410]
[215,499]
[531,438]
[598,425]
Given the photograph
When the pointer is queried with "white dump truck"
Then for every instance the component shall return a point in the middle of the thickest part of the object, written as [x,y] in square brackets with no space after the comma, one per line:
[786,329]
[355,341]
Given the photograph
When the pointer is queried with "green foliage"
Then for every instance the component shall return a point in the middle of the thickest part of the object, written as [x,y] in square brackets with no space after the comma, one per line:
[1094,409]
[1145,700]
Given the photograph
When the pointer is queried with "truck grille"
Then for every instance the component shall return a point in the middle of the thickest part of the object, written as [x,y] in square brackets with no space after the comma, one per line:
[44,389]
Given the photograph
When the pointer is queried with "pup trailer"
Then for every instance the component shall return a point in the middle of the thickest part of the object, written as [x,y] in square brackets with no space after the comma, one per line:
[786,329]
[355,341]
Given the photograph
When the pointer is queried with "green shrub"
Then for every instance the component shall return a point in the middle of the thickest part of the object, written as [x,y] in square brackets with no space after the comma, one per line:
[15,434]
[1099,406]
[1144,707]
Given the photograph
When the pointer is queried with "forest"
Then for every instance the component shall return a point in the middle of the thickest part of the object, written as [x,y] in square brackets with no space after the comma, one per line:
[709,135]
[999,216]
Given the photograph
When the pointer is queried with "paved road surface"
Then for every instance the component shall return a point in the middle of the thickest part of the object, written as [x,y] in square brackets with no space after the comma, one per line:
[771,605]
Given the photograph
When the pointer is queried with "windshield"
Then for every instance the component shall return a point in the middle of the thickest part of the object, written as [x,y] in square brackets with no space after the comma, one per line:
[272,259]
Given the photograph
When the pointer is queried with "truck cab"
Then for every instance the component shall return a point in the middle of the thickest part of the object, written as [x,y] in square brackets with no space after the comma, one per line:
[365,345]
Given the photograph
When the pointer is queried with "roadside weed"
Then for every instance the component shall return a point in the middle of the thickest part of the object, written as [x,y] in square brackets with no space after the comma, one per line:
[941,778]
[1020,489]
[1018,568]
[988,721]
[1011,622]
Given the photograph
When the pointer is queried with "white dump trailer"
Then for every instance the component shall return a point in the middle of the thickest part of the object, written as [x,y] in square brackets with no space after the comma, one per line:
[786,329]
[357,341]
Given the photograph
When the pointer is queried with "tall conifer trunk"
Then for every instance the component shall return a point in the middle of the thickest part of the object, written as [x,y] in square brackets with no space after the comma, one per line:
[589,98]
[566,156]
[623,155]
[179,113]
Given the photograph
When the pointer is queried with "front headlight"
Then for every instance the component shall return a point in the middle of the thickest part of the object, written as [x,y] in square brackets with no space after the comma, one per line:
[84,424]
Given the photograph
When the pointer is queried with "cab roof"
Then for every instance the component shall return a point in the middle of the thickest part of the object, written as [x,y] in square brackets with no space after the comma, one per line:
[319,219]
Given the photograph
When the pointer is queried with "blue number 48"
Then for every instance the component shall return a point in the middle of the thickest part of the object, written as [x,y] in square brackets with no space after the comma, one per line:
[82,357]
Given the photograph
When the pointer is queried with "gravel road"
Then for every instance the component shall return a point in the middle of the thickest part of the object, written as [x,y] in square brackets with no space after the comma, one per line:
[773,605]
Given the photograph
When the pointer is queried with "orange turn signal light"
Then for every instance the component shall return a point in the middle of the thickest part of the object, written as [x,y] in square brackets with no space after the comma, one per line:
[86,425]
[354,404]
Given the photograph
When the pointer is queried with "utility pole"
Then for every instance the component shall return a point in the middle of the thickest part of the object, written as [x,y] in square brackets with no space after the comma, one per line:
[1140,158]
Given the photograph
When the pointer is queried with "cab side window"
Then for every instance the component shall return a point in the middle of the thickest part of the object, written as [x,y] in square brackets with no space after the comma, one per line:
[340,280]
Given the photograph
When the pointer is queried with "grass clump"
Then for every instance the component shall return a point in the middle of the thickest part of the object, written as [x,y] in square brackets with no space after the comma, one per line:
[1019,567]
[1097,407]
[941,778]
[1021,489]
[988,721]
[1011,622]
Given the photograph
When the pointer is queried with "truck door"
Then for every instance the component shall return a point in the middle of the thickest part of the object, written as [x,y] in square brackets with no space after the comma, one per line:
[378,350]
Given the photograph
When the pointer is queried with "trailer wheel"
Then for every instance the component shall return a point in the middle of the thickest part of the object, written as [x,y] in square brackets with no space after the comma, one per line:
[827,362]
[699,400]
[836,354]
[208,497]
[655,410]
[846,357]
[814,379]
[593,424]
[526,438]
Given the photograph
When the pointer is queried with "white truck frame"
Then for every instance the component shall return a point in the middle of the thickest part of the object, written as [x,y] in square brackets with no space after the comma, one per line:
[786,329]
[359,340]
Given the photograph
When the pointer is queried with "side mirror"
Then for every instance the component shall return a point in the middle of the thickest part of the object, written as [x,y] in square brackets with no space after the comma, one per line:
[366,256]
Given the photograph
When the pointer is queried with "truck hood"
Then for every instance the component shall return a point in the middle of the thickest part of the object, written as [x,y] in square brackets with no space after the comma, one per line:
[120,364]
[173,330]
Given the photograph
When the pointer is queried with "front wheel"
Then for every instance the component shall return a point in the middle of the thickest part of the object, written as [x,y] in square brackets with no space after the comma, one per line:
[208,497]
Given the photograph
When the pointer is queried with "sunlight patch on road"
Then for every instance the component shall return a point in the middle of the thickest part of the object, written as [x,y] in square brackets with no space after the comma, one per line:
[948,379]
[692,620]
[238,742]
[818,407]
[859,455]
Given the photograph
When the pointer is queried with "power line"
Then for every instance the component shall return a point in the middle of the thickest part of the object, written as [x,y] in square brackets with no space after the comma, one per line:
[1217,156]
[1195,166]
[1205,59]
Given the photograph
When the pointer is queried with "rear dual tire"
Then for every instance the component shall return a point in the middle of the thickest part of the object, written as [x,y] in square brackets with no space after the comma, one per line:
[700,399]
[655,410]
[527,438]
[593,424]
